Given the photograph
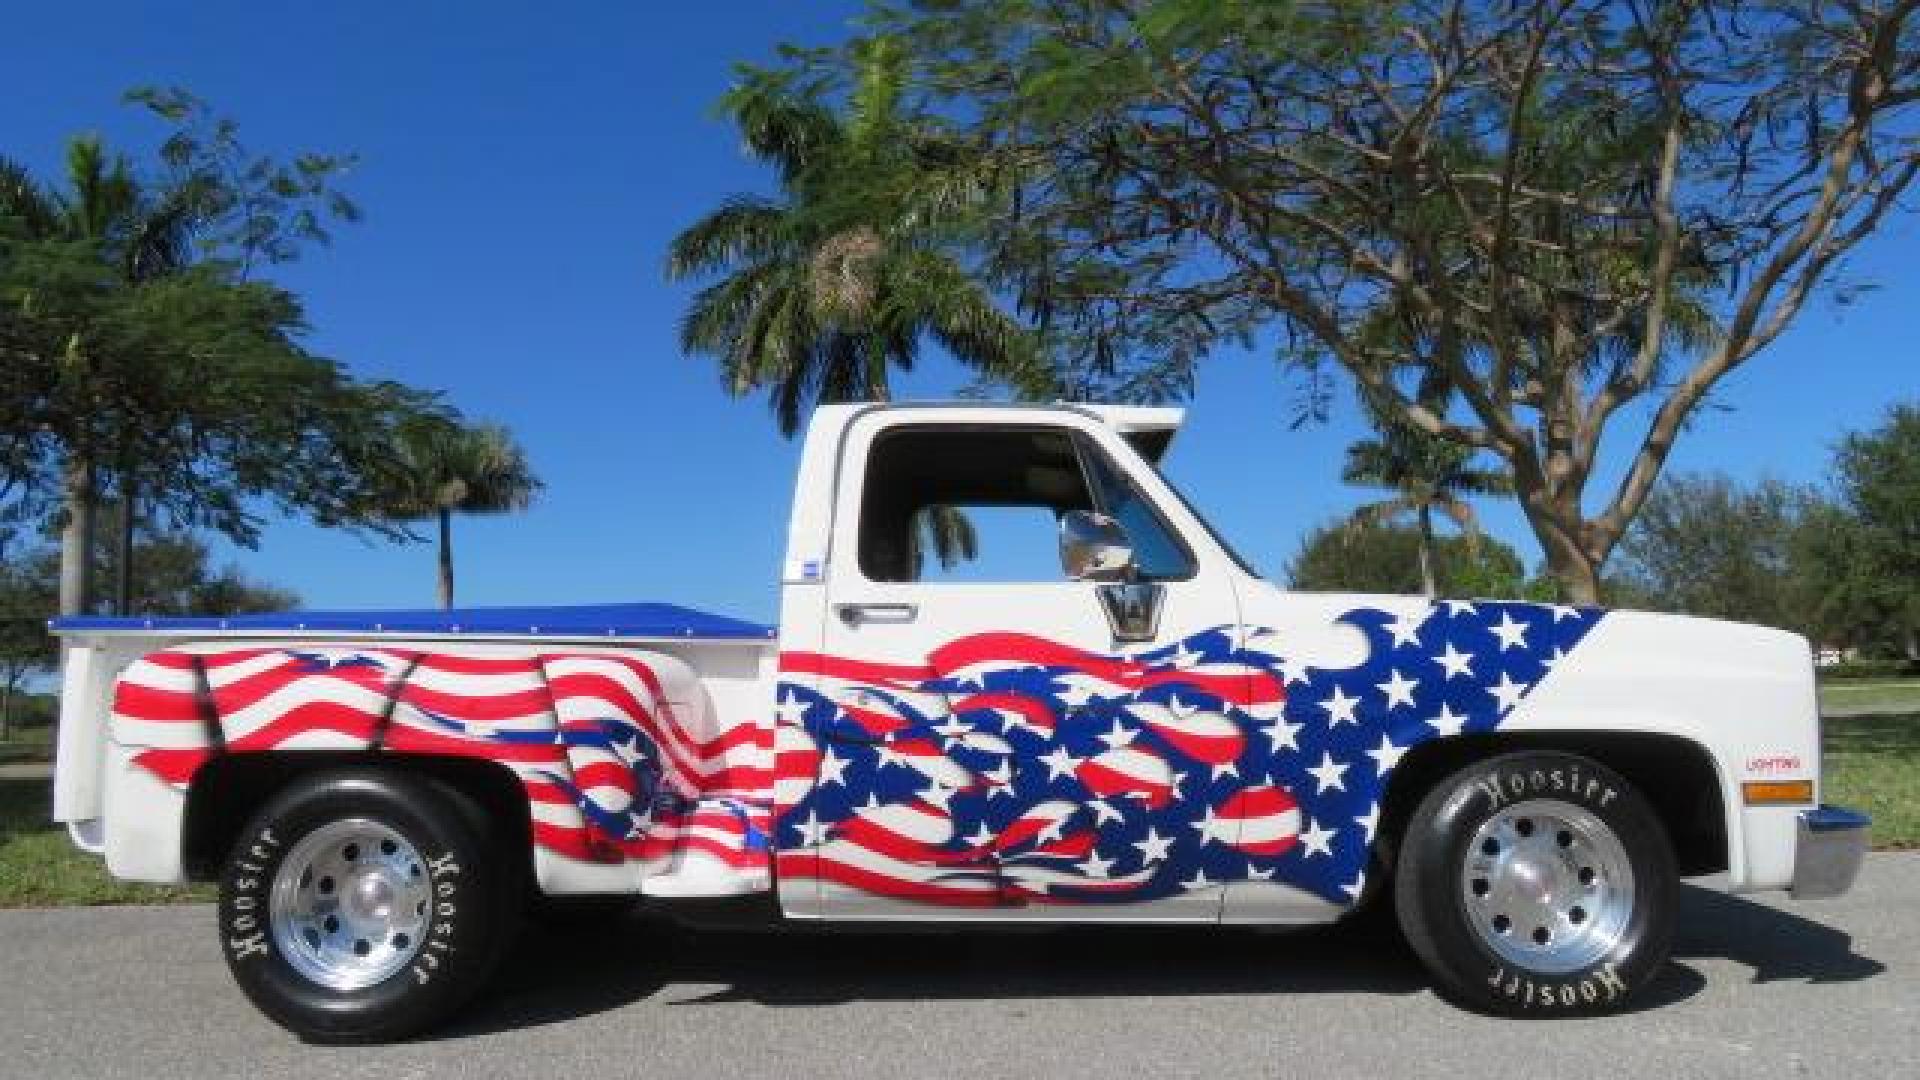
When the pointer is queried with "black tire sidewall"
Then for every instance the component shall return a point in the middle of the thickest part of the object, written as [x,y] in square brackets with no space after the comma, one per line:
[458,947]
[1434,915]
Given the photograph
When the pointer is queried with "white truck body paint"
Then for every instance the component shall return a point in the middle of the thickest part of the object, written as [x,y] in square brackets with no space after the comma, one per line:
[1744,694]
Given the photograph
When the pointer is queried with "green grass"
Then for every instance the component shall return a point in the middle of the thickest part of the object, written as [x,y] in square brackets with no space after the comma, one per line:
[27,744]
[1854,696]
[39,867]
[1873,764]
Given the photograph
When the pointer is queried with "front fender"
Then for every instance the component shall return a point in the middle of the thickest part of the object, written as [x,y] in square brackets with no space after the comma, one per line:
[1743,693]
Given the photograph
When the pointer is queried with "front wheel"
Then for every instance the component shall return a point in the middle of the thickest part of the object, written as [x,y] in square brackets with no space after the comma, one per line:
[1536,883]
[364,906]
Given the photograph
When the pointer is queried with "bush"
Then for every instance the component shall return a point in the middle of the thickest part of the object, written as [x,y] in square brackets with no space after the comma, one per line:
[1870,669]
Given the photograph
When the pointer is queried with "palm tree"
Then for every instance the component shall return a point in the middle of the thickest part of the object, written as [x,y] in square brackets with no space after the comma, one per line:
[827,288]
[447,468]
[1425,474]
[141,235]
[840,278]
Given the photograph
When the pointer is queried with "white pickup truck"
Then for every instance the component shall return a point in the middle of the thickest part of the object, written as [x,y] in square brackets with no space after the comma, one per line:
[1143,732]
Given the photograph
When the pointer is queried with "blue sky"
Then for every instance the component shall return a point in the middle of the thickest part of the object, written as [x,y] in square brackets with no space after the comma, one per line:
[522,170]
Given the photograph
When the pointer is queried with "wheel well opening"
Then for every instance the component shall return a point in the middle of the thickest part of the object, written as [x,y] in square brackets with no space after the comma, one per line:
[228,791]
[1675,775]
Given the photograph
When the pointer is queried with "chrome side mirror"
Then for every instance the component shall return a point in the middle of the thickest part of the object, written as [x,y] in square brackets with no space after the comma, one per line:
[1093,547]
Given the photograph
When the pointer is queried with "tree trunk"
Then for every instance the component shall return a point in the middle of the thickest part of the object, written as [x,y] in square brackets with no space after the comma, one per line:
[1577,574]
[446,558]
[6,711]
[1427,581]
[123,568]
[76,538]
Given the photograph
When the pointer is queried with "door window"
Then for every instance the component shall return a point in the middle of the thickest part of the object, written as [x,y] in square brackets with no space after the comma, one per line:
[968,504]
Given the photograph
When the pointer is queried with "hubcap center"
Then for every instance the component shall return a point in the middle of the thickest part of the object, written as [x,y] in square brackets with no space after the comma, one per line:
[370,896]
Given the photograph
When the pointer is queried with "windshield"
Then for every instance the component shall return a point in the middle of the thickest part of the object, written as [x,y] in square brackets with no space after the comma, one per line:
[1232,553]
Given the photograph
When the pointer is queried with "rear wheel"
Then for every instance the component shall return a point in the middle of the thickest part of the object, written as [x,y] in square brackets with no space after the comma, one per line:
[364,906]
[1537,882]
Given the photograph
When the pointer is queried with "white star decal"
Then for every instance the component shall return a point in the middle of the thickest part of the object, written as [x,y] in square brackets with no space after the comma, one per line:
[1406,629]
[1293,669]
[1399,689]
[1329,774]
[1154,848]
[1103,812]
[1458,607]
[1340,708]
[953,727]
[1317,841]
[1117,736]
[1551,661]
[1386,755]
[1358,883]
[1226,769]
[1455,662]
[1447,722]
[813,831]
[1075,695]
[1095,866]
[790,710]
[1283,733]
[1261,875]
[1208,826]
[1507,692]
[833,770]
[1184,657]
[982,836]
[1563,611]
[1369,821]
[1512,634]
[1197,881]
[1060,763]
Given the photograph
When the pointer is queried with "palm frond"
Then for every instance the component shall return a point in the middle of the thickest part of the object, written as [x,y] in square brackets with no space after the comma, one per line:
[745,229]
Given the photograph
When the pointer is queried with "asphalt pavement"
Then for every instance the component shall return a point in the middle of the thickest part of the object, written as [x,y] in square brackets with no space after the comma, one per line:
[1759,987]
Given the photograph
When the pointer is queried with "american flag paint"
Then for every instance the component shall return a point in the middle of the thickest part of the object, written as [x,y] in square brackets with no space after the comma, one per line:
[1011,770]
[614,768]
[1003,770]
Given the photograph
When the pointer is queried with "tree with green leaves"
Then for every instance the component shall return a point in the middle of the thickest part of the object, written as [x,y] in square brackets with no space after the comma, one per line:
[1425,474]
[1707,545]
[26,599]
[446,468]
[145,356]
[1341,556]
[1524,192]
[1866,547]
[859,260]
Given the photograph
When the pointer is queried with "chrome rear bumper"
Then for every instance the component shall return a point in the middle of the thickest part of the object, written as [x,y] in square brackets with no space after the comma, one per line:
[1830,843]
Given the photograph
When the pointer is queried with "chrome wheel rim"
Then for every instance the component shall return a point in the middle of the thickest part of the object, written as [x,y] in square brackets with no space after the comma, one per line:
[1547,886]
[349,904]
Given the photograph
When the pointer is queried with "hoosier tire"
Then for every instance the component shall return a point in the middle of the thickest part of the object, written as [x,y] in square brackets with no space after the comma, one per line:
[365,906]
[1537,883]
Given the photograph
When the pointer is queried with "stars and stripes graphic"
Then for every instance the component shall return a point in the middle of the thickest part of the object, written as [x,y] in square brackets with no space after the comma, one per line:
[1001,769]
[617,765]
[1010,770]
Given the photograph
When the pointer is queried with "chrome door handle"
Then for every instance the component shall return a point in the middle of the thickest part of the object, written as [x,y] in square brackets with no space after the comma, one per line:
[858,614]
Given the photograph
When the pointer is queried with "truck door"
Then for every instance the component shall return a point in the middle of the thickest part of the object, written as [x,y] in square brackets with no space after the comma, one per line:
[998,740]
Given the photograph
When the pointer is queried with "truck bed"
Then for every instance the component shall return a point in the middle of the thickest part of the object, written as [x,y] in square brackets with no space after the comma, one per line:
[641,733]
